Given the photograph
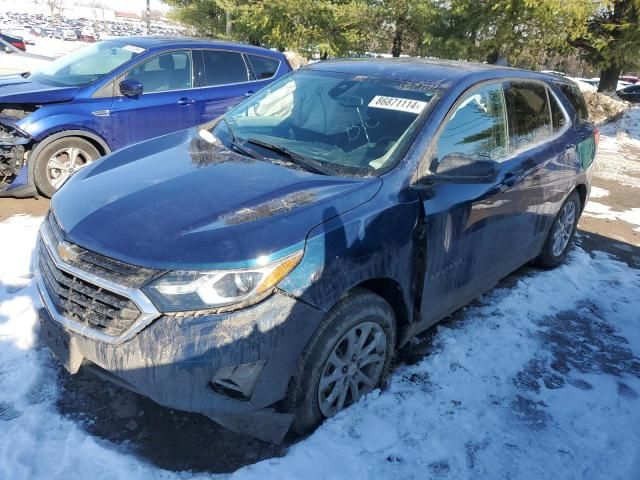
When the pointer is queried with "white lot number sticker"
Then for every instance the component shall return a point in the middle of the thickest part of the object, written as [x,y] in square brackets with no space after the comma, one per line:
[133,48]
[399,104]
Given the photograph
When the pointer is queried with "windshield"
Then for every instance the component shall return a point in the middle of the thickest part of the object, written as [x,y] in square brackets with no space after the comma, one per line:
[345,124]
[86,65]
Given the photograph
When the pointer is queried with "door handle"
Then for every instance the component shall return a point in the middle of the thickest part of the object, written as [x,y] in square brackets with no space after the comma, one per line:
[186,101]
[249,93]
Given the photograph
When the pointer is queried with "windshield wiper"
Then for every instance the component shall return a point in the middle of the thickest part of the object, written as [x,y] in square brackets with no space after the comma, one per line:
[235,142]
[295,158]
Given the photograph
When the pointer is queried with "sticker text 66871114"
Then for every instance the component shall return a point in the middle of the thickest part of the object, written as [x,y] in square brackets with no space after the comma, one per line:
[399,104]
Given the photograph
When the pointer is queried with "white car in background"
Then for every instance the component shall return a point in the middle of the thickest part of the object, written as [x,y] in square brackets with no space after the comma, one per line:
[13,60]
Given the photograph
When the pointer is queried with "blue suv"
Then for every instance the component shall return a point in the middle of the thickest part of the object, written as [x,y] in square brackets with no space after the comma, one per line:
[265,268]
[115,93]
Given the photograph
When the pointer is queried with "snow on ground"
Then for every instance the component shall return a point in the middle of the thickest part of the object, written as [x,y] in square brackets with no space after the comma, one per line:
[597,192]
[539,380]
[599,210]
[618,157]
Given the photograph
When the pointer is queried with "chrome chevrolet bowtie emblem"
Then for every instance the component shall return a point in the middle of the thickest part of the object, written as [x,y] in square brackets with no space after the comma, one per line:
[66,252]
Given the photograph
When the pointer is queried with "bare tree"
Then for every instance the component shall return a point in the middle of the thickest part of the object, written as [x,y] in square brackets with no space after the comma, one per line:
[55,6]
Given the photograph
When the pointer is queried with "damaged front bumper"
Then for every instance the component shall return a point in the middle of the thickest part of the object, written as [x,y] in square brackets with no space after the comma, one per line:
[14,173]
[231,367]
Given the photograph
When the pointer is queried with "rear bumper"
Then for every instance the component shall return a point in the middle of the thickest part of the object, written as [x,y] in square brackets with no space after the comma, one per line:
[172,361]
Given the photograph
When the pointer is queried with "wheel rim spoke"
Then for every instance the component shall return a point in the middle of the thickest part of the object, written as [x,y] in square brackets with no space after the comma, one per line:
[59,180]
[337,390]
[55,164]
[73,156]
[334,377]
[361,377]
[375,358]
[342,397]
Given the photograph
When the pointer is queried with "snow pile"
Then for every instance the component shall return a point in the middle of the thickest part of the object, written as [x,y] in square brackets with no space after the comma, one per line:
[539,380]
[619,150]
[295,59]
[602,107]
[584,86]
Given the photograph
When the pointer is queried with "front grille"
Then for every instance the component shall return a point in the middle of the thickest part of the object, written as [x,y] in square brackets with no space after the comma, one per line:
[115,271]
[85,303]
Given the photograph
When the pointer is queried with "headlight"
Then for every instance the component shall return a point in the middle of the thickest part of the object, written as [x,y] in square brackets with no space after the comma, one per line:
[186,291]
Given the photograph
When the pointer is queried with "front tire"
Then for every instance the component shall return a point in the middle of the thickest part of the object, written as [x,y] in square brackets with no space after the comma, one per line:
[560,238]
[350,355]
[59,160]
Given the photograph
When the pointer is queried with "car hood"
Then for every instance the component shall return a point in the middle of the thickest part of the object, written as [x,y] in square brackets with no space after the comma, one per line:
[16,89]
[177,202]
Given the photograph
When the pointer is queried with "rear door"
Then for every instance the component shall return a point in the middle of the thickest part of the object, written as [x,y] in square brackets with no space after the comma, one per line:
[167,104]
[540,147]
[227,77]
[224,81]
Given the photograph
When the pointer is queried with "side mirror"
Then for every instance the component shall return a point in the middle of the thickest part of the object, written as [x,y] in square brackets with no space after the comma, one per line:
[460,168]
[131,88]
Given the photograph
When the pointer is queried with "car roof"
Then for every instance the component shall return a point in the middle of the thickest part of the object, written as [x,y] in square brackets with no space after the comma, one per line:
[422,70]
[150,42]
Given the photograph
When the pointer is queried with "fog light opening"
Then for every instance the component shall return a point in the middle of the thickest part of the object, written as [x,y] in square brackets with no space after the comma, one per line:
[237,381]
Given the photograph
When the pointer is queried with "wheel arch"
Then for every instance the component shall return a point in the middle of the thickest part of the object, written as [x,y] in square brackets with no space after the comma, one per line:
[93,138]
[390,291]
[581,188]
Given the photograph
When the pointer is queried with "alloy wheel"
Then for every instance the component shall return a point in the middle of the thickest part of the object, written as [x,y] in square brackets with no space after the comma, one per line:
[64,163]
[353,368]
[564,228]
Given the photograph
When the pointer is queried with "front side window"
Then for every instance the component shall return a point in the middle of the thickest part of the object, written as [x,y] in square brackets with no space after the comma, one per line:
[88,64]
[349,124]
[529,113]
[477,130]
[169,71]
[224,68]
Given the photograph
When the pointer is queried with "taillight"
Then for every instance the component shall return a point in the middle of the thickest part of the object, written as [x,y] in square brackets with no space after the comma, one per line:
[19,45]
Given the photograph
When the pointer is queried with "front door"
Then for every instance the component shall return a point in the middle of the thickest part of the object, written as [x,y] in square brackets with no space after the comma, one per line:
[166,105]
[476,230]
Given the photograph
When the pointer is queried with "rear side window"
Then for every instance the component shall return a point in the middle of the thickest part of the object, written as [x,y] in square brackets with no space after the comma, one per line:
[530,118]
[477,129]
[558,118]
[223,68]
[576,99]
[263,67]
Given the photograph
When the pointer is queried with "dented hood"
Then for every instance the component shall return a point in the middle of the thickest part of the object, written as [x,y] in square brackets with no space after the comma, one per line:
[16,89]
[177,202]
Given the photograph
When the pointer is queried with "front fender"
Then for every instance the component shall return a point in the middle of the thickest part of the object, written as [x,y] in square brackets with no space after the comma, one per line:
[373,241]
[44,127]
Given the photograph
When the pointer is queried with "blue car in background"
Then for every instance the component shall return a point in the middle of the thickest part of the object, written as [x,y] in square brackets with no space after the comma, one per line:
[265,268]
[115,93]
